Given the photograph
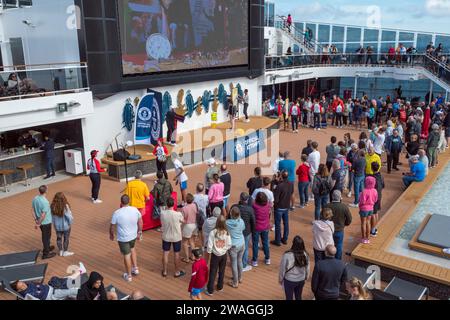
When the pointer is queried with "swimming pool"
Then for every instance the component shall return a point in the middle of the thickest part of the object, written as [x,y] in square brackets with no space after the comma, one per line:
[436,200]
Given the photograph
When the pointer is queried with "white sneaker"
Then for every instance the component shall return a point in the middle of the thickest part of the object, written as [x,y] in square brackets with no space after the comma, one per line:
[127,277]
[61,253]
[273,228]
[67,254]
[135,271]
[352,205]
[247,268]
[82,268]
[318,129]
[97,201]
[267,261]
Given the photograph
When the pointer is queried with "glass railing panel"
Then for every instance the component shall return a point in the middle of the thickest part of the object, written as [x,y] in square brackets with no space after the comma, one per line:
[41,80]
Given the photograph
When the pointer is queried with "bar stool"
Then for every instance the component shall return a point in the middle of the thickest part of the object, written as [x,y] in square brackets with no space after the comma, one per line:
[25,167]
[4,173]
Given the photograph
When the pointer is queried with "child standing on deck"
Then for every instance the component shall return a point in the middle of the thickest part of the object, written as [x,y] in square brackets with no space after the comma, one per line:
[199,276]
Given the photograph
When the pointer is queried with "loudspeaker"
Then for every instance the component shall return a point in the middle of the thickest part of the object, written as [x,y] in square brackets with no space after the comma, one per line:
[121,155]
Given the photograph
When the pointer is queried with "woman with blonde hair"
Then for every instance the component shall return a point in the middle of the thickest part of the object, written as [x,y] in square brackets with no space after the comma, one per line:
[356,289]
[62,219]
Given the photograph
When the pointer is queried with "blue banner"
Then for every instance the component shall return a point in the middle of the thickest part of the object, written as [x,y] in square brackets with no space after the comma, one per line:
[243,147]
[148,127]
[156,119]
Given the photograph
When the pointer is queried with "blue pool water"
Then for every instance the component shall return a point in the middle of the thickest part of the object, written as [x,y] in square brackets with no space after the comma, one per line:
[437,200]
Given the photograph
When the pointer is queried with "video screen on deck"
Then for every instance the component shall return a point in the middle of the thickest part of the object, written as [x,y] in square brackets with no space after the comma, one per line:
[173,35]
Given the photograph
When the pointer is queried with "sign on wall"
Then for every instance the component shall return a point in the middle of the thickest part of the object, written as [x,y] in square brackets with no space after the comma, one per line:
[243,147]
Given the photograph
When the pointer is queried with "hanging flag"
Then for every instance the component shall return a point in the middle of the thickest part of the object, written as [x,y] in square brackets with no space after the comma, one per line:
[143,117]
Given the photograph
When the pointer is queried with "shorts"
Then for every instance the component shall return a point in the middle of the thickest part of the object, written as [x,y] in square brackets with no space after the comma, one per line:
[125,247]
[176,246]
[225,200]
[189,230]
[183,185]
[365,214]
[195,292]
[213,205]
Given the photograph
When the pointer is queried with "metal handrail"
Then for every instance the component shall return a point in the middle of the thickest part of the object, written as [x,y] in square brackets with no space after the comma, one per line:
[21,66]
[286,62]
[302,41]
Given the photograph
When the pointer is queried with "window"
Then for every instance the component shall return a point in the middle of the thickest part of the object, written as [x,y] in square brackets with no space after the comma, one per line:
[374,46]
[313,29]
[423,40]
[388,35]
[299,29]
[370,35]
[338,34]
[445,42]
[324,33]
[352,47]
[384,48]
[266,47]
[406,36]
[269,14]
[353,34]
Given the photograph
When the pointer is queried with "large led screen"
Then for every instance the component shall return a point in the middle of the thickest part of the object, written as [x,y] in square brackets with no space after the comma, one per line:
[175,35]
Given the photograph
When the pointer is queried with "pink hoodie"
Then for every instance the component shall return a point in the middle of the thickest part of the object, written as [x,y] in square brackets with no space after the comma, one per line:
[369,195]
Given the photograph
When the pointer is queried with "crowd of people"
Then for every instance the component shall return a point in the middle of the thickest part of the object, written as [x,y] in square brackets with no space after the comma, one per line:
[207,230]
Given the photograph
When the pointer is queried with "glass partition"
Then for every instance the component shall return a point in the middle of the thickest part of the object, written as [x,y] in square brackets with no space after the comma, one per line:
[42,80]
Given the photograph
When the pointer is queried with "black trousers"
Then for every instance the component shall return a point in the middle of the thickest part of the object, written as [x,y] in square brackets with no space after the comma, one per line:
[50,166]
[161,166]
[245,111]
[46,232]
[294,120]
[217,264]
[338,119]
[170,133]
[293,290]
[317,120]
[96,180]
[305,117]
[392,160]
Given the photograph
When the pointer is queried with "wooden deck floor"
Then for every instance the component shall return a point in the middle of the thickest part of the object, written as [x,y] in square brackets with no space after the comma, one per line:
[377,252]
[92,246]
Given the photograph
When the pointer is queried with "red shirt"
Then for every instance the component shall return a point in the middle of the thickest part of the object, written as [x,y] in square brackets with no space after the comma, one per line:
[303,173]
[199,274]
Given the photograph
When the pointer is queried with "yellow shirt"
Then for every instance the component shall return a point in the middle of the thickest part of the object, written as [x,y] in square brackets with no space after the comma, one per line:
[369,160]
[137,191]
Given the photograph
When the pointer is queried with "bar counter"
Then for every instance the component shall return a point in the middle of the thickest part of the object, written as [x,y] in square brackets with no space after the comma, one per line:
[35,157]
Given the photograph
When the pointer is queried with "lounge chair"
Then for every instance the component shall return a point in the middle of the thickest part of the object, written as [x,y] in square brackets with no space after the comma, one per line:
[34,272]
[18,259]
[381,295]
[360,273]
[406,290]
[120,294]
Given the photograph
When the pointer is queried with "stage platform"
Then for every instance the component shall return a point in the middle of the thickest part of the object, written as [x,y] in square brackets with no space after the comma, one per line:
[197,145]
[423,270]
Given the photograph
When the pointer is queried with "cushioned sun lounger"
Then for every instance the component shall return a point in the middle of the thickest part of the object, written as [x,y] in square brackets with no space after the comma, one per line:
[18,259]
[406,290]
[381,295]
[436,232]
[120,294]
[34,272]
[359,273]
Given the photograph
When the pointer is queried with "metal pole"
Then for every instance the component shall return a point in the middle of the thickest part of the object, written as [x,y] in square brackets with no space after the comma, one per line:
[431,92]
[356,88]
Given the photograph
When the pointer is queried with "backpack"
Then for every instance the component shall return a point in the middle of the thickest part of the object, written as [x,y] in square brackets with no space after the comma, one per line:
[323,187]
[339,109]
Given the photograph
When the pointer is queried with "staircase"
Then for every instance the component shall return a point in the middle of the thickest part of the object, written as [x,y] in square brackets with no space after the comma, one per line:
[309,46]
[436,71]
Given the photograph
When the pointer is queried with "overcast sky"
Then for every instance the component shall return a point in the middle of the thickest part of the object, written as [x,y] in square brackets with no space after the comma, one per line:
[420,15]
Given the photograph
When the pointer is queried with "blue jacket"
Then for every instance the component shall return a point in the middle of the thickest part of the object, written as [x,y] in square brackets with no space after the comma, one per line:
[393,144]
[289,166]
[39,291]
[236,229]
